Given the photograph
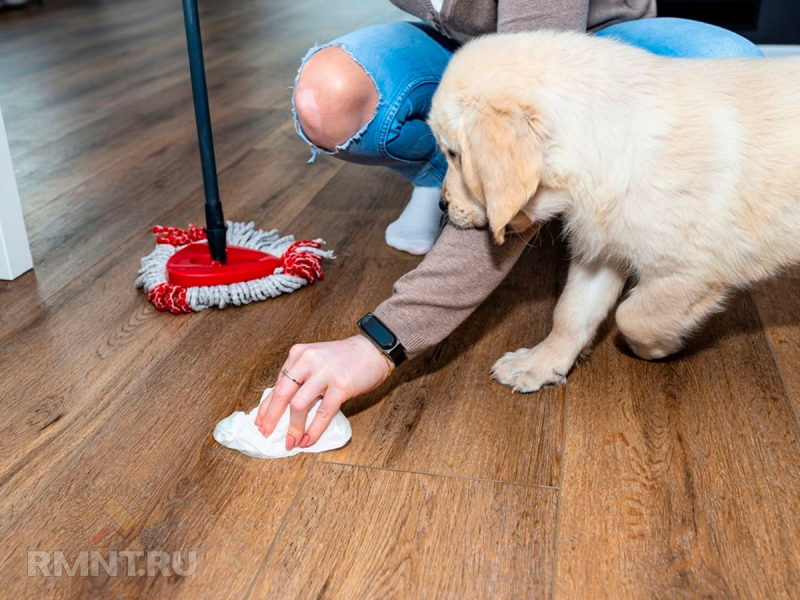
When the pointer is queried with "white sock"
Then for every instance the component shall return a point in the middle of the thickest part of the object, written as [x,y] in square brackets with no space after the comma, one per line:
[418,228]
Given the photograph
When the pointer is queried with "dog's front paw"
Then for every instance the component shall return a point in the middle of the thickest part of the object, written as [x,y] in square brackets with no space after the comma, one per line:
[530,369]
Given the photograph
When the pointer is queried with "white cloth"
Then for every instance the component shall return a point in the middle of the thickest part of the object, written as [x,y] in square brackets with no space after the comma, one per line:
[239,432]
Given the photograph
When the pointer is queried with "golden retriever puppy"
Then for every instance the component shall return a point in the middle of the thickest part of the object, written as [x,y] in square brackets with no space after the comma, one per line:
[683,175]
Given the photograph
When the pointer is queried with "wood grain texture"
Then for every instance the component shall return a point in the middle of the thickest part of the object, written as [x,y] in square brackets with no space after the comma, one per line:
[158,381]
[679,478]
[411,541]
[445,417]
[682,478]
[779,308]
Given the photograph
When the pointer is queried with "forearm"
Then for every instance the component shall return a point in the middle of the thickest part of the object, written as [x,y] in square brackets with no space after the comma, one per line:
[460,272]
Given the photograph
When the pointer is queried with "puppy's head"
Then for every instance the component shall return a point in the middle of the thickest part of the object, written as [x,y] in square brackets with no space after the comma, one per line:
[494,158]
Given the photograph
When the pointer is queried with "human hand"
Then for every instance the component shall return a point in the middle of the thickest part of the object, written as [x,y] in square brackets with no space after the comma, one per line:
[335,371]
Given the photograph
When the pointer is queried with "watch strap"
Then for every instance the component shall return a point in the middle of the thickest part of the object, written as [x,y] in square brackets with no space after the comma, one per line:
[382,337]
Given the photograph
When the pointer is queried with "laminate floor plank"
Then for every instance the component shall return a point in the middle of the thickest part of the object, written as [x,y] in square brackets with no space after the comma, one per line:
[682,478]
[60,25]
[198,507]
[106,143]
[164,413]
[677,478]
[68,367]
[446,416]
[183,492]
[110,77]
[409,541]
[82,225]
[779,308]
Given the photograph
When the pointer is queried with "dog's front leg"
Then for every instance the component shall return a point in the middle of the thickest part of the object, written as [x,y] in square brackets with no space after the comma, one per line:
[591,291]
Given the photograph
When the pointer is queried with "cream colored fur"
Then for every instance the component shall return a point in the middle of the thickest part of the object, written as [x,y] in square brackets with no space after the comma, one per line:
[682,174]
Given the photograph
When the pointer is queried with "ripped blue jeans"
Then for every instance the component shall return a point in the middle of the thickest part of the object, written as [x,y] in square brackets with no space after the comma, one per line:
[406,61]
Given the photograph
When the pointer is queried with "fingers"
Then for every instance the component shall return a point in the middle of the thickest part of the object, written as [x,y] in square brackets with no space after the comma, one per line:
[301,403]
[273,407]
[326,410]
[262,410]
[312,369]
[295,352]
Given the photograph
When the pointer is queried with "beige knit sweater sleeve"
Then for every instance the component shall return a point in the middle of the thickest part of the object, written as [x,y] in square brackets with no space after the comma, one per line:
[463,268]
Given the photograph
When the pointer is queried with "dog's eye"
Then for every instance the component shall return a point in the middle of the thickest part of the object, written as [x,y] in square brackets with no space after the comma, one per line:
[451,154]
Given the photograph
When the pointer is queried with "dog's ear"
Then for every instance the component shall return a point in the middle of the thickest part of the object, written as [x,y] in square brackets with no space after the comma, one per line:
[501,162]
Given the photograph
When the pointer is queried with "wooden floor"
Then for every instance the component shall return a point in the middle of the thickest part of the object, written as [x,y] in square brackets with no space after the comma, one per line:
[670,479]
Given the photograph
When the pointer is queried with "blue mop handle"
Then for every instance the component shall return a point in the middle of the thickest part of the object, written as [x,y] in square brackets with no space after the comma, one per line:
[215,221]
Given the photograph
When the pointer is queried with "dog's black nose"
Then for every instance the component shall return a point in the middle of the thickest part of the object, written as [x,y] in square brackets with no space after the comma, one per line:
[442,204]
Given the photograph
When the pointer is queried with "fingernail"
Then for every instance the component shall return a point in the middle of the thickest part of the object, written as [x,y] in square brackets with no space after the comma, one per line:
[290,442]
[304,441]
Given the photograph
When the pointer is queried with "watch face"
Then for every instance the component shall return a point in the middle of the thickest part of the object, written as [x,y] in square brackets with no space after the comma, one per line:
[382,336]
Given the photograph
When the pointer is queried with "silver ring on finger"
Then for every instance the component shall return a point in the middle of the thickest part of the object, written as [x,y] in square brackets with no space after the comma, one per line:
[285,372]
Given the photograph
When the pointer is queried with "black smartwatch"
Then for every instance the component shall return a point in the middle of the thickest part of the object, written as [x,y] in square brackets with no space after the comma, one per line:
[383,338]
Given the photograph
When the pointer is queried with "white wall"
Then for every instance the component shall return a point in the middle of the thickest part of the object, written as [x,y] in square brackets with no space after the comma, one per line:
[15,253]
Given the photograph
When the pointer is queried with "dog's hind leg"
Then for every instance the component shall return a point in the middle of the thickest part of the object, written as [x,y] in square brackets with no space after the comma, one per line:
[658,314]
[591,291]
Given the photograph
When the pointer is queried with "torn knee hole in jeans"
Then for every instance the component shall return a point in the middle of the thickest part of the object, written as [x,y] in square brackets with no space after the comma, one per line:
[315,150]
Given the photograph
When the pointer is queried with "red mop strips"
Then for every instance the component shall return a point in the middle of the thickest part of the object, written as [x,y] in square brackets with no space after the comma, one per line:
[194,281]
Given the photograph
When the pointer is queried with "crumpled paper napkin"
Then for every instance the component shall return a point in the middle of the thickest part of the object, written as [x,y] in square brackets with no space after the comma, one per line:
[239,432]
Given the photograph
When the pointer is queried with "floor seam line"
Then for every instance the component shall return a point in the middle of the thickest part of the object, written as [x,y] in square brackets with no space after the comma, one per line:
[461,477]
[280,528]
[560,488]
[789,396]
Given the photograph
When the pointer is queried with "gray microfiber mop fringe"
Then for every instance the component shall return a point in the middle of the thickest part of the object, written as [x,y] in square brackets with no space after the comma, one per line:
[153,271]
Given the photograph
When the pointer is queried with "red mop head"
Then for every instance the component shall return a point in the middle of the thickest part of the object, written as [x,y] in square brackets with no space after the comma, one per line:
[180,277]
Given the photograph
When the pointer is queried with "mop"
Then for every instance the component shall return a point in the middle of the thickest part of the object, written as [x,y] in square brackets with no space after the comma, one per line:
[225,262]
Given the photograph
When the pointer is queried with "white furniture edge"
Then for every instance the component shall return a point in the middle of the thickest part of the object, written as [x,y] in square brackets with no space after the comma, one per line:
[778,50]
[15,253]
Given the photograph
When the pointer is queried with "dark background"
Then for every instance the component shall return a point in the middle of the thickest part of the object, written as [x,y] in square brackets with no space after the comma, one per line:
[762,21]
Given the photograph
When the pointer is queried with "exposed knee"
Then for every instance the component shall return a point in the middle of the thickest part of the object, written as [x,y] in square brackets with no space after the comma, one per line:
[334,98]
